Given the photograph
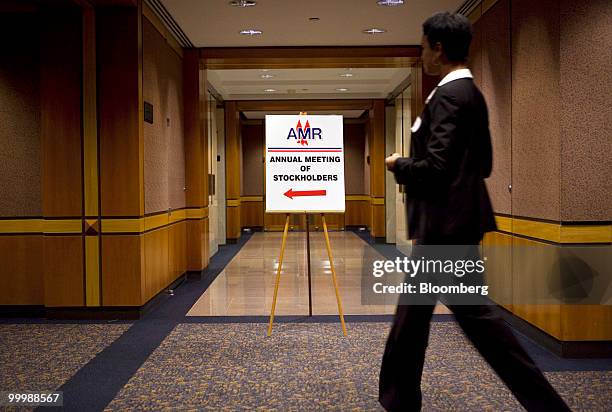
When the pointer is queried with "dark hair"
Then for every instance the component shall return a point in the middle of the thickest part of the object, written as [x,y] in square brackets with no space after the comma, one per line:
[453,31]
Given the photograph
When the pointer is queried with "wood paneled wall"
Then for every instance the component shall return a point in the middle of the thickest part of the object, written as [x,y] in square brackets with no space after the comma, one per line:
[120,111]
[157,267]
[232,170]
[177,250]
[196,160]
[62,185]
[358,211]
[529,256]
[376,143]
[138,265]
[252,137]
[252,211]
[354,156]
[143,254]
[140,254]
[60,94]
[197,244]
[121,143]
[22,280]
[334,221]
[123,268]
[195,172]
[497,247]
[274,221]
[63,267]
[44,264]
[512,262]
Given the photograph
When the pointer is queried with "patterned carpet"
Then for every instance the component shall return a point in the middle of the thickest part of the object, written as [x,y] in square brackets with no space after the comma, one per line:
[42,357]
[312,367]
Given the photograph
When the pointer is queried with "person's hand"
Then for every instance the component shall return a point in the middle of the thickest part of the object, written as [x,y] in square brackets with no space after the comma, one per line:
[390,161]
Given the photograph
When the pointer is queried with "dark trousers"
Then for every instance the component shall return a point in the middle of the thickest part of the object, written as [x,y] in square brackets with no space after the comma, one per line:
[402,363]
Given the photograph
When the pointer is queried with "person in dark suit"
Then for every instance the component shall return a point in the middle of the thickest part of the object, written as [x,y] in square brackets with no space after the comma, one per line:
[448,204]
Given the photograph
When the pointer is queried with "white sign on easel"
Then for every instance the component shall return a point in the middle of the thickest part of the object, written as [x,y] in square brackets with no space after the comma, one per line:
[304,164]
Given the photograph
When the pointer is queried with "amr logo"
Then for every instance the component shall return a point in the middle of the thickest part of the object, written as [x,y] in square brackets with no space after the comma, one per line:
[302,134]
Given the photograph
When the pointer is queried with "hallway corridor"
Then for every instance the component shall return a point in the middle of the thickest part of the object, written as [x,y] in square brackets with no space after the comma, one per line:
[154,153]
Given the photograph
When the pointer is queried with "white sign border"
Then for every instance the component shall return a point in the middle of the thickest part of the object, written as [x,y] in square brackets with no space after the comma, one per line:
[295,211]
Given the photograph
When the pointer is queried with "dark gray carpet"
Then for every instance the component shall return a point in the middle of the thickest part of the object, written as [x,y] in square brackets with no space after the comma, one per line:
[310,366]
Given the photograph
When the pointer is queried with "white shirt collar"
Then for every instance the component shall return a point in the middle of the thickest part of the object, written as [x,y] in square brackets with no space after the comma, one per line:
[454,75]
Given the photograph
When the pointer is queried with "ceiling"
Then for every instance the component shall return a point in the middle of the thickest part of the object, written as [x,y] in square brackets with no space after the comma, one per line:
[214,23]
[347,114]
[364,83]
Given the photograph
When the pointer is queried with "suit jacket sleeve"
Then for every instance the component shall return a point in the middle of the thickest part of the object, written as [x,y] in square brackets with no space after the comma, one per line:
[436,163]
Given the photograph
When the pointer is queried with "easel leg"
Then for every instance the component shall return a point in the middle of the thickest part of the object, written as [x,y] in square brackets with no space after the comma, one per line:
[278,272]
[333,271]
[308,265]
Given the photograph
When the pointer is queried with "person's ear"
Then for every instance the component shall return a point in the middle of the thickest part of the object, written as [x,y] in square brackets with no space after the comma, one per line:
[437,54]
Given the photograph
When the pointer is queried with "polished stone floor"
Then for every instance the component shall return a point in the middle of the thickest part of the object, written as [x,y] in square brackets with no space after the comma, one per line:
[246,286]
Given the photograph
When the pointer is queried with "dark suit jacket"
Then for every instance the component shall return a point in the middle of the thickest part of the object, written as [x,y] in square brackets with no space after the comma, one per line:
[450,158]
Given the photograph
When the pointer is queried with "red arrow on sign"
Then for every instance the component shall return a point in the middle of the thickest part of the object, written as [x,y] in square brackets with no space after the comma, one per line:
[291,193]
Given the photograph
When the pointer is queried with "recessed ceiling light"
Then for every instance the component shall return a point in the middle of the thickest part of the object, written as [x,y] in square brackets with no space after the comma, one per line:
[266,76]
[265,70]
[269,90]
[342,89]
[251,32]
[346,75]
[243,3]
[390,3]
[374,30]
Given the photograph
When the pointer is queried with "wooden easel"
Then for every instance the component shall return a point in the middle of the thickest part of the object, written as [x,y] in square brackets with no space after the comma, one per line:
[331,264]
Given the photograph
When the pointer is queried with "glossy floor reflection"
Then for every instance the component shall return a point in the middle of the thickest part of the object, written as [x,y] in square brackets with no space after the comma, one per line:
[246,286]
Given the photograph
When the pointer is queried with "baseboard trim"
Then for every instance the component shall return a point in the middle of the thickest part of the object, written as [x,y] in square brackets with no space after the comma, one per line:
[362,228]
[564,349]
[95,313]
[194,274]
[253,228]
[100,313]
[22,311]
